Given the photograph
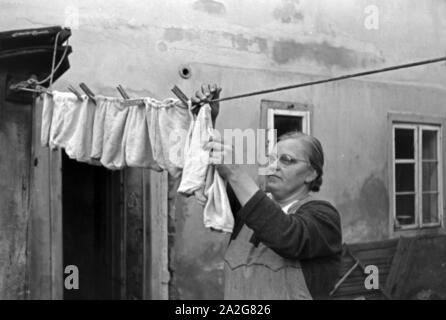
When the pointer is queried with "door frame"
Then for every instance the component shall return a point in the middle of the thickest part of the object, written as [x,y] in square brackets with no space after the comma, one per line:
[45,266]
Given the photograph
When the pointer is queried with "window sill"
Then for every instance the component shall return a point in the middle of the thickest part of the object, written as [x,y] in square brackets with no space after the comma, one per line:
[417,231]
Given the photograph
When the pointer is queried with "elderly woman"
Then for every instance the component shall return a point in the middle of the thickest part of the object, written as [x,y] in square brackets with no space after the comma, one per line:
[285,245]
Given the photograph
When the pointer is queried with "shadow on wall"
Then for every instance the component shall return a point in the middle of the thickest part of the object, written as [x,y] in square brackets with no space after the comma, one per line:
[203,277]
[365,215]
[196,255]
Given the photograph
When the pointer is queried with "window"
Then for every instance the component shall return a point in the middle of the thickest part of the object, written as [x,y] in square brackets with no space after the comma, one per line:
[285,117]
[291,121]
[417,183]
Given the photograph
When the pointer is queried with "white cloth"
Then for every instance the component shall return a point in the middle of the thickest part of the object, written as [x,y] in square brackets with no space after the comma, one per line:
[288,206]
[98,127]
[113,143]
[196,158]
[79,145]
[168,122]
[217,213]
[138,149]
[114,135]
[201,179]
[65,116]
[47,117]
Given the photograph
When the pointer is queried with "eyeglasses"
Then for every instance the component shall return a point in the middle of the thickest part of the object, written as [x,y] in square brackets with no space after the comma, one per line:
[285,159]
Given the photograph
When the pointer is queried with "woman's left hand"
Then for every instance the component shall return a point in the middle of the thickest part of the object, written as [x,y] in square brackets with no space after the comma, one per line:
[222,156]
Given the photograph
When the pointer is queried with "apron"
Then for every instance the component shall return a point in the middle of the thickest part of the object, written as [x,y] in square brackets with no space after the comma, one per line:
[258,273]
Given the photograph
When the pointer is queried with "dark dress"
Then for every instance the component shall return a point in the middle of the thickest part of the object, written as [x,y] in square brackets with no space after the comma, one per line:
[275,255]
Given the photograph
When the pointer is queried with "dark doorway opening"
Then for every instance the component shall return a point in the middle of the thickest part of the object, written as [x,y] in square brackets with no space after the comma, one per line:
[92,202]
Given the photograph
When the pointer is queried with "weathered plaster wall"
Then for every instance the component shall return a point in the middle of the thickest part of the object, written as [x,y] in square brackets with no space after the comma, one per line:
[249,45]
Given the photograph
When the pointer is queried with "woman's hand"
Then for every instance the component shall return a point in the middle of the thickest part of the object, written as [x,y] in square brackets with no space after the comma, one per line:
[208,92]
[222,157]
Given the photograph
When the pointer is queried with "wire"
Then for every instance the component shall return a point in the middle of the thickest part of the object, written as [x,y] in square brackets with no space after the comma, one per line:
[54,59]
[55,68]
[408,65]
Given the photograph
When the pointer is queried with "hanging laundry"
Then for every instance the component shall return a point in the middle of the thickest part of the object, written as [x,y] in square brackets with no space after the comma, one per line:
[47,117]
[65,116]
[108,132]
[217,214]
[168,122]
[98,128]
[196,158]
[79,145]
[115,135]
[138,148]
[201,179]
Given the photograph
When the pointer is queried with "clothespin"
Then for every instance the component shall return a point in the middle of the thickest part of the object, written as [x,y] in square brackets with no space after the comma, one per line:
[127,101]
[182,96]
[76,93]
[122,92]
[88,92]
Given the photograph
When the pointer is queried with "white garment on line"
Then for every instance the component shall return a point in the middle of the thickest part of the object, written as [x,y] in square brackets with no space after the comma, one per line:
[168,123]
[117,135]
[201,179]
[217,213]
[79,145]
[196,158]
[98,127]
[113,134]
[64,119]
[138,148]
[47,117]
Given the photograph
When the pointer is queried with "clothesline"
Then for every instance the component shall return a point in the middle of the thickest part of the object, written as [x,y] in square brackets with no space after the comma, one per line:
[183,97]
[177,91]
[36,85]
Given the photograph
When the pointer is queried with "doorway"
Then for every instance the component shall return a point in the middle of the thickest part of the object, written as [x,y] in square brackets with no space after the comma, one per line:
[92,222]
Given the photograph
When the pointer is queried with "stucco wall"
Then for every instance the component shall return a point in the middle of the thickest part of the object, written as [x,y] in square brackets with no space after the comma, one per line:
[249,45]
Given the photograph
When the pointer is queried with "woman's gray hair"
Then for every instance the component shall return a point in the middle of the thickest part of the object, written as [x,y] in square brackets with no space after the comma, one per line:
[315,155]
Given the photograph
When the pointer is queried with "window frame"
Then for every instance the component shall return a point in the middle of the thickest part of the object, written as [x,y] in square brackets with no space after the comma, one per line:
[299,110]
[269,108]
[416,174]
[439,174]
[419,123]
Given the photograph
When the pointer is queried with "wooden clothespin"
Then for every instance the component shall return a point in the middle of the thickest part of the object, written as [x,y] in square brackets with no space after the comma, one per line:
[75,92]
[87,91]
[122,92]
[127,101]
[182,96]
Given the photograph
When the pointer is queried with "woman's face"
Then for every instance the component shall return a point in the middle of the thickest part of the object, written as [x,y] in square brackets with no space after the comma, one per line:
[289,171]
